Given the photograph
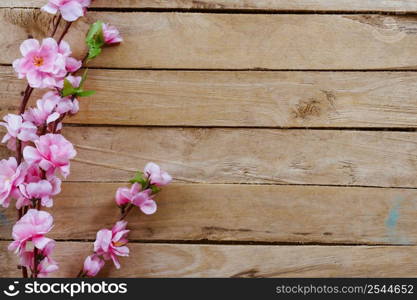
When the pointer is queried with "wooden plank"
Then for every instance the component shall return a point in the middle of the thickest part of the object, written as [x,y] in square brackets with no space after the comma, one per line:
[216,155]
[170,260]
[297,5]
[256,213]
[235,41]
[271,99]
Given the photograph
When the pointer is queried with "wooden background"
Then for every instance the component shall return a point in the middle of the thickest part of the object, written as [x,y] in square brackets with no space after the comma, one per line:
[289,127]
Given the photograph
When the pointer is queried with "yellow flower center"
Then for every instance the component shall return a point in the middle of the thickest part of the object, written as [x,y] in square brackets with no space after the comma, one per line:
[38,61]
[119,244]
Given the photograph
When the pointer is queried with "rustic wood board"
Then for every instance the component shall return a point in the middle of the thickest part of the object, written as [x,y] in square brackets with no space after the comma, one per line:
[216,155]
[255,213]
[248,99]
[298,5]
[170,260]
[235,41]
[252,194]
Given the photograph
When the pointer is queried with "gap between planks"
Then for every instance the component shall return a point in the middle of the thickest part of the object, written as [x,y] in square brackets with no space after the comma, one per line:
[246,6]
[234,243]
[239,11]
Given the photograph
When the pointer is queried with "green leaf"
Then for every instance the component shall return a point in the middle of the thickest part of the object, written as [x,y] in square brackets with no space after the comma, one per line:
[68,89]
[81,93]
[95,40]
[95,35]
[93,52]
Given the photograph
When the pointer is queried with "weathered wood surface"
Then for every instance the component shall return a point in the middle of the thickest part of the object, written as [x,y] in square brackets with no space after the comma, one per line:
[170,260]
[256,213]
[216,155]
[271,99]
[298,5]
[235,41]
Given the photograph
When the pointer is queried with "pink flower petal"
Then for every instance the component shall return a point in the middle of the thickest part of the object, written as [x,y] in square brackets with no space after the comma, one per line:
[71,11]
[149,207]
[28,46]
[49,8]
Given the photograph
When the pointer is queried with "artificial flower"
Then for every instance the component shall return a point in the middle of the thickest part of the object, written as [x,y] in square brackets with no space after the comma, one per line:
[44,65]
[18,128]
[156,176]
[112,243]
[92,265]
[135,195]
[44,112]
[43,189]
[111,34]
[11,176]
[46,264]
[31,227]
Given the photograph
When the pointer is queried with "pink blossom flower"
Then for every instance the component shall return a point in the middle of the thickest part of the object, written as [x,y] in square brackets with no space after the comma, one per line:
[11,176]
[50,108]
[69,104]
[31,227]
[156,176]
[46,65]
[52,152]
[111,34]
[46,264]
[92,265]
[112,243]
[139,198]
[32,174]
[43,189]
[44,112]
[72,65]
[17,128]
[70,10]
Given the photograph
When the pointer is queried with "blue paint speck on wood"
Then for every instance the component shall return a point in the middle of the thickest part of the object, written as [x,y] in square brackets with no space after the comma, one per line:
[393,216]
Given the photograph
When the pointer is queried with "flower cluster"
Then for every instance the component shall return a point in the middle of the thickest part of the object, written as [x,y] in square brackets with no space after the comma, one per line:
[43,154]
[33,227]
[45,65]
[112,243]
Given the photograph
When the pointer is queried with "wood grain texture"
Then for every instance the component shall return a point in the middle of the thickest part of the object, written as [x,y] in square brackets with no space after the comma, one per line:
[167,260]
[216,155]
[255,213]
[235,41]
[298,5]
[248,156]
[257,99]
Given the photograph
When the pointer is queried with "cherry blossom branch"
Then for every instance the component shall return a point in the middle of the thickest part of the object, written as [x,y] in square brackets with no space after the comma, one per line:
[26,96]
[43,153]
[112,243]
[44,66]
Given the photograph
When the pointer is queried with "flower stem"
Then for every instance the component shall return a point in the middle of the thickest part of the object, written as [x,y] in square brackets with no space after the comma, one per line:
[35,263]
[81,273]
[56,25]
[67,27]
[126,211]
